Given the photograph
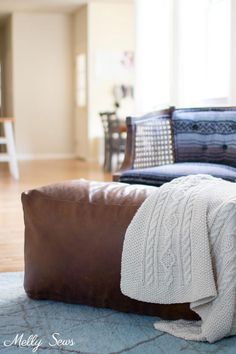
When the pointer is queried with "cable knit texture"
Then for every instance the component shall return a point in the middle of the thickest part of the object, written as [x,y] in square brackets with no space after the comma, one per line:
[181,247]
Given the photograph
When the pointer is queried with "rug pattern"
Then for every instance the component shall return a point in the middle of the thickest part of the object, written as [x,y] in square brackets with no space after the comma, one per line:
[93,331]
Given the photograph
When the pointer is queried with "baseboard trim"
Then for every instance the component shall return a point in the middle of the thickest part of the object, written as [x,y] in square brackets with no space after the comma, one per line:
[59,156]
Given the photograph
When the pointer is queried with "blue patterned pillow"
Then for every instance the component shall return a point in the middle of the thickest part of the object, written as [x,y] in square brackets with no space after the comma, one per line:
[205,135]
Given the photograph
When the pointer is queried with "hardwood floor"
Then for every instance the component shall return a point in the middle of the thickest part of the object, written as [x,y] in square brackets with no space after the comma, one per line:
[32,174]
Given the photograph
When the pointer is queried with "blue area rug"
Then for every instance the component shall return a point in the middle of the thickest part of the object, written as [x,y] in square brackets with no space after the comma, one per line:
[90,330]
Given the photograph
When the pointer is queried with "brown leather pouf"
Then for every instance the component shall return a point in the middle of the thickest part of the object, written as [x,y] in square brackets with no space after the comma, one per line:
[74,234]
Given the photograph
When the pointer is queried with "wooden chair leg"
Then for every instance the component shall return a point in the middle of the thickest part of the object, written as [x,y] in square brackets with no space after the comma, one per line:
[106,156]
[10,143]
[110,162]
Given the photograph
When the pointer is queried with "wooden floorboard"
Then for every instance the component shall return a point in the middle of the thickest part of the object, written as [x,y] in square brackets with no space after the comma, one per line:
[33,174]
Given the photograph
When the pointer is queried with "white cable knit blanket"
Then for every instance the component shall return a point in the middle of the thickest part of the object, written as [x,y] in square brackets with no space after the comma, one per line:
[181,247]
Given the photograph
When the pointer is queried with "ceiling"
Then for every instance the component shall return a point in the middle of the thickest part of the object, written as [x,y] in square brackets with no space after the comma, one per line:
[9,6]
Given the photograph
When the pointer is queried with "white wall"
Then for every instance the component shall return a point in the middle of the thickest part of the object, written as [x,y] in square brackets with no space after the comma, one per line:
[81,47]
[42,84]
[108,27]
[42,97]
[111,29]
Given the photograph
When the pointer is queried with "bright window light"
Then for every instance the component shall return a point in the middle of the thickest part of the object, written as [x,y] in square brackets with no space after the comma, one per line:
[153,53]
[81,80]
[182,53]
[203,52]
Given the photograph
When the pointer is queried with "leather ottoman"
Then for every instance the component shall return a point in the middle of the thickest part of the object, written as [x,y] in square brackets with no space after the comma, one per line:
[74,234]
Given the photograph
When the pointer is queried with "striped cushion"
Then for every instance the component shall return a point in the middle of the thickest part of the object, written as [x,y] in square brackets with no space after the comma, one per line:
[156,176]
[205,135]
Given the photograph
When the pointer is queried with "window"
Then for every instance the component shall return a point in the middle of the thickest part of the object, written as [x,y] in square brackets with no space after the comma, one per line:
[203,52]
[218,50]
[183,53]
[153,54]
[81,80]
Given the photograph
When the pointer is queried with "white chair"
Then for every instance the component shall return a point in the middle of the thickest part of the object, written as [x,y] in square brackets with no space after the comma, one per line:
[8,140]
